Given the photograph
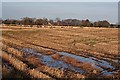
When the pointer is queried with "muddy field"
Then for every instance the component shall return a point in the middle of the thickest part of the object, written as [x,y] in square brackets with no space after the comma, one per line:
[60,52]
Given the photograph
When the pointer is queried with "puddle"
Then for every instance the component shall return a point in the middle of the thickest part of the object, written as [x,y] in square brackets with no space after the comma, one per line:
[113,60]
[105,73]
[49,61]
[90,60]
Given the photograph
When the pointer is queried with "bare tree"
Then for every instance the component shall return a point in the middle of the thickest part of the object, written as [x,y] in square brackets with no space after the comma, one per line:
[86,23]
[27,21]
[45,22]
[39,22]
[57,20]
[103,23]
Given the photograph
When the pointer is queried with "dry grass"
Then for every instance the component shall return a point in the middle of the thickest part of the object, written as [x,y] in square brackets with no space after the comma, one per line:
[101,40]
[50,53]
[33,60]
[56,56]
[36,73]
[84,65]
[60,73]
[72,61]
[98,42]
[19,65]
[12,51]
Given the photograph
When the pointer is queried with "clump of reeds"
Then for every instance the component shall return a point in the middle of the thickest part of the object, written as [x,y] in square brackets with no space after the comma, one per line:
[33,60]
[72,61]
[12,51]
[56,56]
[19,65]
[49,53]
[37,74]
[52,71]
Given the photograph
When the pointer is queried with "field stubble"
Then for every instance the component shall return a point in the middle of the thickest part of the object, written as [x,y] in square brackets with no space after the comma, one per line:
[95,44]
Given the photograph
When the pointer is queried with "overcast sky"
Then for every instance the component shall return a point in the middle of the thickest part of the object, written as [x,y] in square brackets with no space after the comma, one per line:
[60,0]
[93,11]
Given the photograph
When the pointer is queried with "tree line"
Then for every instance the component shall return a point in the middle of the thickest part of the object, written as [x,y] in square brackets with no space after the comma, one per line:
[26,21]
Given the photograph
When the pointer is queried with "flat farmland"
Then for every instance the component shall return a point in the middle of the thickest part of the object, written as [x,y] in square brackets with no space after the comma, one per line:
[60,52]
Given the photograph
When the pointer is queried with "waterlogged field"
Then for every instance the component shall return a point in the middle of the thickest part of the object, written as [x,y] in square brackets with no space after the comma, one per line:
[60,52]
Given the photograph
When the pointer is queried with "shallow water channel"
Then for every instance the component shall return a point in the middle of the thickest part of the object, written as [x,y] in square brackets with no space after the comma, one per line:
[49,61]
